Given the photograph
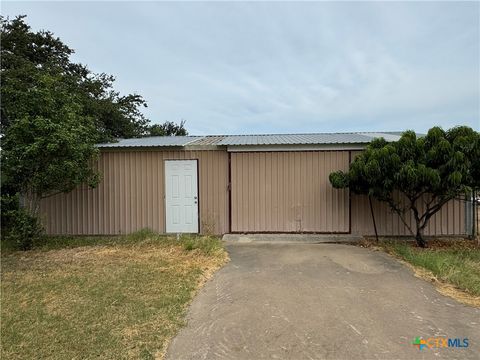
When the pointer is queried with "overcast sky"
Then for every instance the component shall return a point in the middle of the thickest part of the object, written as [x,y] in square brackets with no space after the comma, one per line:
[281,67]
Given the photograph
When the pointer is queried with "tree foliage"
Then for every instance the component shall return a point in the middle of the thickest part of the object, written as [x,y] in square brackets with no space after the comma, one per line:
[168,128]
[425,171]
[28,57]
[53,112]
[53,150]
[48,135]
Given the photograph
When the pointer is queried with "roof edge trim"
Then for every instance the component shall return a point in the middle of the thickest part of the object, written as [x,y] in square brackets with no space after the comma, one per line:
[289,147]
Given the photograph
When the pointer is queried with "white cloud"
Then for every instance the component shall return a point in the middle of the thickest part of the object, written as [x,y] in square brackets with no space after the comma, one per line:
[263,67]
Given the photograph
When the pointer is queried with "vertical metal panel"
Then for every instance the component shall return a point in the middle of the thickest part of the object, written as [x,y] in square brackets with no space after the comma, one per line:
[279,191]
[131,195]
[283,192]
[442,223]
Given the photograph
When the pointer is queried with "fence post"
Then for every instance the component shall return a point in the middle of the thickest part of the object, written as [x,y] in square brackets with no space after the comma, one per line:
[475,217]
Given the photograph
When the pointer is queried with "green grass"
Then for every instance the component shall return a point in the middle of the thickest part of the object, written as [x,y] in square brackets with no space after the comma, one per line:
[456,262]
[206,244]
[109,297]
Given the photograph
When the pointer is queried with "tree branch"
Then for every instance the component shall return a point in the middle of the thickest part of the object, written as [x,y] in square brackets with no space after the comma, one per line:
[400,212]
[50,195]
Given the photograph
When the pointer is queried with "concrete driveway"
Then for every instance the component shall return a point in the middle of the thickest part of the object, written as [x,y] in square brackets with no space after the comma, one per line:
[320,301]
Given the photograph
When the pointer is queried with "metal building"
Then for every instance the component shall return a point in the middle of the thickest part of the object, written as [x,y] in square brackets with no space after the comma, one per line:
[228,184]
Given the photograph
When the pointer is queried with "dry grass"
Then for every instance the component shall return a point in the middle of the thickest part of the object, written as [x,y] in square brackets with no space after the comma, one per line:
[451,264]
[125,299]
[444,287]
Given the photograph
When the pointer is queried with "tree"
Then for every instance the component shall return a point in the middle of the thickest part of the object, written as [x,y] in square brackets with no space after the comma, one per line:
[425,173]
[168,128]
[52,151]
[26,54]
[53,111]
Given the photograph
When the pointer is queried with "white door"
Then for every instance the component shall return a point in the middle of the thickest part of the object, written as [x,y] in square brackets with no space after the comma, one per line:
[181,196]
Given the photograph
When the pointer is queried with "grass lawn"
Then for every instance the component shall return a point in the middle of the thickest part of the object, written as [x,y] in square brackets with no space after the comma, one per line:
[107,297]
[455,262]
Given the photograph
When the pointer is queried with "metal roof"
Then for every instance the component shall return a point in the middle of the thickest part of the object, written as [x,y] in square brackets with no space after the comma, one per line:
[306,139]
[245,140]
[208,140]
[153,141]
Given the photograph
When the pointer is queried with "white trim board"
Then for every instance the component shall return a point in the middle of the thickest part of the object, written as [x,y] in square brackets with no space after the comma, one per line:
[312,147]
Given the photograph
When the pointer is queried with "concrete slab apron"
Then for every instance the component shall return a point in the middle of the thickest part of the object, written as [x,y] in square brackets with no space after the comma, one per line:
[322,301]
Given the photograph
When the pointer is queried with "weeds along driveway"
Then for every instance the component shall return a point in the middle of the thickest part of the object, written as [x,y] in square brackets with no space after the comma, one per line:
[325,301]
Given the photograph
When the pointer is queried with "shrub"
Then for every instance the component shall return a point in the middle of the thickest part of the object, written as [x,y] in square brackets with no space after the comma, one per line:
[19,228]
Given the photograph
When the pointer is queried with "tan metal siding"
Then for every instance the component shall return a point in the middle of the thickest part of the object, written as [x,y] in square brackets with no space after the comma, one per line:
[450,220]
[271,191]
[288,192]
[131,195]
